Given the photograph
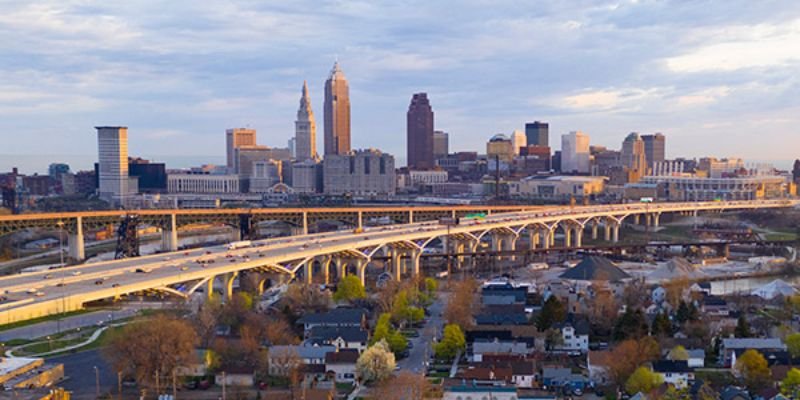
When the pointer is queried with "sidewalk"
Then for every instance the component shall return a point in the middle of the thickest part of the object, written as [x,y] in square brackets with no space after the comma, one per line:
[95,336]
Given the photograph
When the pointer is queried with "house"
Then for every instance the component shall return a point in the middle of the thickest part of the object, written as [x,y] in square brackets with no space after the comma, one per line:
[574,337]
[198,366]
[241,376]
[697,358]
[475,391]
[338,317]
[730,346]
[283,359]
[340,337]
[490,373]
[714,306]
[597,363]
[734,393]
[554,377]
[313,372]
[701,287]
[674,372]
[341,365]
[479,348]
[523,374]
[501,319]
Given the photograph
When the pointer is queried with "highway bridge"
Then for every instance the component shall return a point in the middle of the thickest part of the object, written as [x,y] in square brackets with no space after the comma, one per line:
[332,254]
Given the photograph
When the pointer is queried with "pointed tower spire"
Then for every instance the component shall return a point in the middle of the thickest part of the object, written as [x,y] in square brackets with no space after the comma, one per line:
[305,128]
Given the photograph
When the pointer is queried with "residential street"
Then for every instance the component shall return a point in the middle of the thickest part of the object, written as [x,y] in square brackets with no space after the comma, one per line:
[415,362]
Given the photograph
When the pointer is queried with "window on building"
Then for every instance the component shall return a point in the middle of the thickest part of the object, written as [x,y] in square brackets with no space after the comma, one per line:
[382,166]
[366,166]
[352,165]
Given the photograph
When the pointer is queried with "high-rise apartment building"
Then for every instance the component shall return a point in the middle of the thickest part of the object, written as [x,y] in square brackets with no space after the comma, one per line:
[441,144]
[654,148]
[114,184]
[419,132]
[538,133]
[518,140]
[499,148]
[575,154]
[305,129]
[337,113]
[234,139]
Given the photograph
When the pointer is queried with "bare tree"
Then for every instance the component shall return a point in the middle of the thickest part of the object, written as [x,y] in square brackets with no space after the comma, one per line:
[154,346]
[462,304]
[301,299]
[403,386]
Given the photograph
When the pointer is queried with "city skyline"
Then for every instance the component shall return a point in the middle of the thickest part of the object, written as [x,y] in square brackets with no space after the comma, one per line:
[695,74]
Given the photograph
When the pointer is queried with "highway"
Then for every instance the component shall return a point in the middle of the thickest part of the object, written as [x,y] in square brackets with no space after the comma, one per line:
[42,293]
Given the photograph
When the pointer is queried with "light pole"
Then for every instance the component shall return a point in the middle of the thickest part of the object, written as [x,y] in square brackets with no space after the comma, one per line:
[61,267]
[96,382]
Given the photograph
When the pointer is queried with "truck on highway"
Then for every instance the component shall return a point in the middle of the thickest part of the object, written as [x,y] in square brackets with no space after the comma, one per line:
[239,245]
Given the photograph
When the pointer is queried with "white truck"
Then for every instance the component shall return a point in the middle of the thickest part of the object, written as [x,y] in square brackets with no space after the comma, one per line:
[239,245]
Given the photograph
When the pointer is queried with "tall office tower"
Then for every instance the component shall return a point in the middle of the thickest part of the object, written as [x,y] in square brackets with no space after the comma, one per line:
[337,113]
[113,180]
[441,144]
[538,133]
[654,148]
[500,148]
[236,138]
[575,153]
[518,140]
[419,132]
[292,146]
[305,129]
[633,158]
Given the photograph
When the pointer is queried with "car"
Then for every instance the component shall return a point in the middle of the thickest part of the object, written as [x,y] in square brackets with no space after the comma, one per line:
[39,294]
[76,273]
[31,291]
[48,276]
[115,285]
[184,268]
[142,270]
[99,282]
[60,284]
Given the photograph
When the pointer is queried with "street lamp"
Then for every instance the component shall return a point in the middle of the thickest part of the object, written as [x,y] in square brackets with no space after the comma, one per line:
[61,266]
[96,382]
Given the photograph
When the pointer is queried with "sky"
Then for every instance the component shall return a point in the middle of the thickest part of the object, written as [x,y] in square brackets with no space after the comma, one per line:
[718,78]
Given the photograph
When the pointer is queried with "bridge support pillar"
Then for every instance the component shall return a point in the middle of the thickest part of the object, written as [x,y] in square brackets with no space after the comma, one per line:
[594,229]
[510,245]
[227,280]
[607,231]
[647,220]
[545,235]
[578,236]
[308,271]
[567,235]
[415,255]
[533,238]
[361,269]
[497,241]
[410,216]
[397,268]
[210,287]
[341,268]
[615,233]
[360,220]
[460,247]
[77,249]
[169,235]
[656,217]
[305,223]
[325,264]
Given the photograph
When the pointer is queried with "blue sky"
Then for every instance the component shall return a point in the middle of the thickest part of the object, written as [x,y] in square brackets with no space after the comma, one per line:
[717,77]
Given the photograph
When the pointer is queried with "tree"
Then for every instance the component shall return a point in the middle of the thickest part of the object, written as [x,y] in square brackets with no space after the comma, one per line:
[604,309]
[793,344]
[277,331]
[431,285]
[146,347]
[206,320]
[742,328]
[678,353]
[403,386]
[752,367]
[661,326]
[405,313]
[675,290]
[384,331]
[790,385]
[642,380]
[635,293]
[628,355]
[376,363]
[301,299]
[350,288]
[631,325]
[461,304]
[452,342]
[553,311]
[284,361]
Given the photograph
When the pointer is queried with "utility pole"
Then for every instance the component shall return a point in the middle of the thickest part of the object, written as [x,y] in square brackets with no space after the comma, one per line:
[97,382]
[61,268]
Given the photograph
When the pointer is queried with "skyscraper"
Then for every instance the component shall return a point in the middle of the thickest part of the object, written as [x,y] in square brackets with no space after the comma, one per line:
[654,148]
[305,129]
[575,153]
[113,180]
[518,140]
[441,144]
[234,139]
[337,113]
[419,132]
[538,133]
[633,158]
